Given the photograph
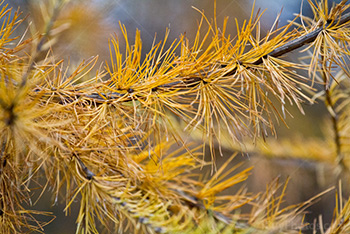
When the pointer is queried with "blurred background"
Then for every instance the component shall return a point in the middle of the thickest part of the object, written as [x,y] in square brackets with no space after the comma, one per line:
[90,23]
[87,25]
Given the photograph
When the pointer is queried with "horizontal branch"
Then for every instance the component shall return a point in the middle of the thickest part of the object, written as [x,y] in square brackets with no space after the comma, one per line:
[190,82]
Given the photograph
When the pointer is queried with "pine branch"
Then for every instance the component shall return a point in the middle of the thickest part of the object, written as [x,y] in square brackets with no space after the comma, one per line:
[106,138]
[190,82]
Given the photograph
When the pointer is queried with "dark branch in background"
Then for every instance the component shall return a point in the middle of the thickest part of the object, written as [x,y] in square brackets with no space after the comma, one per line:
[39,47]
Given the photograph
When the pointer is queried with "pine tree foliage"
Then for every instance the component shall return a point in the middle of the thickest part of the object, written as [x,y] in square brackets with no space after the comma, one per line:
[111,140]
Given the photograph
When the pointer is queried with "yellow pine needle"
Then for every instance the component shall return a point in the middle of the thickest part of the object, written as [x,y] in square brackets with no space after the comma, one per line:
[217,183]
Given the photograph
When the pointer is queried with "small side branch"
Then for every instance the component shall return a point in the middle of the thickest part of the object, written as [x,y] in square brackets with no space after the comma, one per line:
[334,116]
[306,39]
[297,43]
[88,174]
[335,126]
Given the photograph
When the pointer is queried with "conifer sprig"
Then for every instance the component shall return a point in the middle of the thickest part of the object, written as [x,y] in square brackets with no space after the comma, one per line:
[236,81]
[108,140]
